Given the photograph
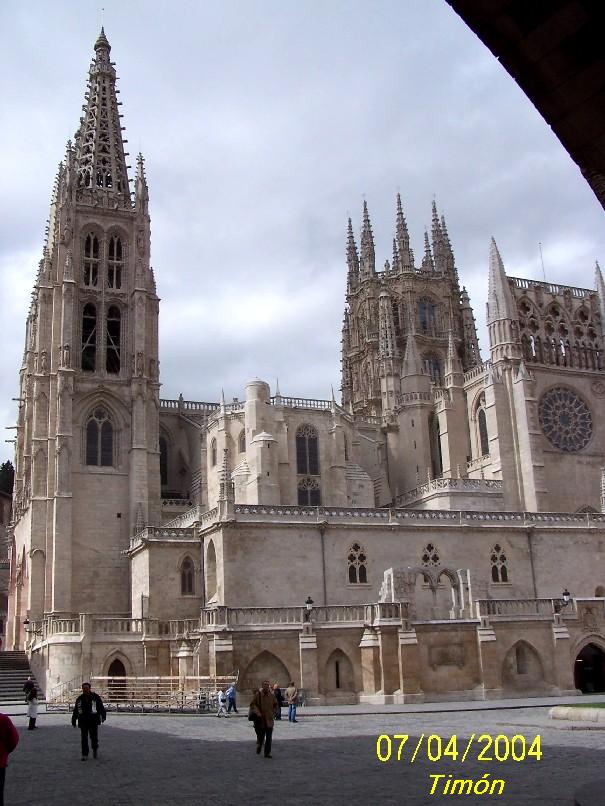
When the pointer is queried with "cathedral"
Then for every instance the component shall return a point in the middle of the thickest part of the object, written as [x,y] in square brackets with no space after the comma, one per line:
[436,533]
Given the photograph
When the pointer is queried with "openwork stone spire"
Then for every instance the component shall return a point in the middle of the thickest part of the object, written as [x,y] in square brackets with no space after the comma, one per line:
[427,261]
[402,238]
[100,158]
[368,258]
[500,303]
[352,259]
[387,341]
[600,288]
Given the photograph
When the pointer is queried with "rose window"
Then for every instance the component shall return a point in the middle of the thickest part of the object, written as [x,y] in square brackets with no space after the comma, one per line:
[565,419]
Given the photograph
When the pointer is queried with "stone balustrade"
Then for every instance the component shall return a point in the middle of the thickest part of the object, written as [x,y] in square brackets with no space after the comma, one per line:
[502,609]
[481,486]
[478,462]
[213,618]
[188,405]
[551,288]
[162,533]
[301,403]
[117,626]
[476,372]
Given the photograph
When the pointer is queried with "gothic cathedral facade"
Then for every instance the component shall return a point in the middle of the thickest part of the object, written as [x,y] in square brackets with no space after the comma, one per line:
[430,517]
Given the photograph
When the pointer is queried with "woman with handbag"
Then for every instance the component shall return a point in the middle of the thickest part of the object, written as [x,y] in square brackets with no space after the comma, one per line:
[262,711]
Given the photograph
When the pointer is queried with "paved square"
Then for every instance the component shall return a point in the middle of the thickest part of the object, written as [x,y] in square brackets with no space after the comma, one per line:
[329,759]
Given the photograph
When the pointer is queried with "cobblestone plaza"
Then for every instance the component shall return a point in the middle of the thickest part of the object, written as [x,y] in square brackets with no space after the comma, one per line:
[327,758]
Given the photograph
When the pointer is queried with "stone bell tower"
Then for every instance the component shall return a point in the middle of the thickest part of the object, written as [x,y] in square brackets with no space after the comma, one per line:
[87,459]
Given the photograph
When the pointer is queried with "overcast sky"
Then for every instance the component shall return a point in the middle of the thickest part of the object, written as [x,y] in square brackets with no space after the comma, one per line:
[264,125]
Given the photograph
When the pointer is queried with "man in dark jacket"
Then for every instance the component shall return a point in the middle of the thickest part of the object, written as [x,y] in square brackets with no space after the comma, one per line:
[263,707]
[88,713]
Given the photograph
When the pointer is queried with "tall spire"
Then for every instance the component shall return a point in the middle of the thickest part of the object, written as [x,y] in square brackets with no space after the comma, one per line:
[141,190]
[100,158]
[600,288]
[427,260]
[368,260]
[405,254]
[352,259]
[450,264]
[439,248]
[500,303]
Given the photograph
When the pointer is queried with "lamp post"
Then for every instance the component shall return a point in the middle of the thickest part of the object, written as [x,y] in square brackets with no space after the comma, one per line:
[560,604]
[308,608]
[31,630]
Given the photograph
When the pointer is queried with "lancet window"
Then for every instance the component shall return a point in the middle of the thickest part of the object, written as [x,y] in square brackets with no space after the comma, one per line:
[89,337]
[115,263]
[163,462]
[241,443]
[432,367]
[187,577]
[213,453]
[91,260]
[427,316]
[357,562]
[113,334]
[499,564]
[99,439]
[307,451]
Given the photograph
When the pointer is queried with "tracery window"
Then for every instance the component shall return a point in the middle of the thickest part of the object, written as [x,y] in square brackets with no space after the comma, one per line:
[213,452]
[565,419]
[432,367]
[187,577]
[113,332]
[89,337]
[499,564]
[427,316]
[307,451]
[99,439]
[430,556]
[357,562]
[309,492]
[115,263]
[91,260]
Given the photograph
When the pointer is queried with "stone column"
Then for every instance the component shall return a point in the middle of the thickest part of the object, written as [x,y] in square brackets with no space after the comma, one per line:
[185,658]
[409,667]
[309,675]
[563,662]
[389,660]
[489,663]
[370,664]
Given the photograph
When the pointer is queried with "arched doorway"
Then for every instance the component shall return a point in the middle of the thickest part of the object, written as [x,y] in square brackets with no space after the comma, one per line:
[116,685]
[589,670]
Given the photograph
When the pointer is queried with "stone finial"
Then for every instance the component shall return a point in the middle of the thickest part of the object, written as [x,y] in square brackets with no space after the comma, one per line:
[102,41]
[500,303]
[427,261]
[405,254]
[226,489]
[368,258]
[352,257]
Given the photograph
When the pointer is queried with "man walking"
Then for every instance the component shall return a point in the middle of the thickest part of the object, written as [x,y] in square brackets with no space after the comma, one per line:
[9,739]
[263,706]
[231,704]
[292,700]
[88,713]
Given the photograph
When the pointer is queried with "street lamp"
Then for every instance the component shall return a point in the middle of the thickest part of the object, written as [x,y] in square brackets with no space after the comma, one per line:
[560,604]
[31,630]
[308,608]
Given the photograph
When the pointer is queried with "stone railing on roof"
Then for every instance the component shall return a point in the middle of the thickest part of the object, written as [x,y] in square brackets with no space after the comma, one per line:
[161,533]
[320,616]
[420,517]
[479,461]
[414,397]
[187,405]
[503,609]
[479,486]
[301,403]
[475,372]
[551,288]
[187,518]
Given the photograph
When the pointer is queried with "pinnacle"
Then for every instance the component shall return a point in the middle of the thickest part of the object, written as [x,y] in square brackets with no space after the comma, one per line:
[102,41]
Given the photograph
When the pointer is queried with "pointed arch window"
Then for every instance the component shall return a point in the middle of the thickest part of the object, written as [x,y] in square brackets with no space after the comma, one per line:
[483,435]
[432,367]
[99,439]
[187,577]
[427,316]
[113,334]
[89,337]
[309,492]
[115,263]
[357,562]
[213,453]
[91,260]
[499,564]
[307,451]
[241,443]
[163,462]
